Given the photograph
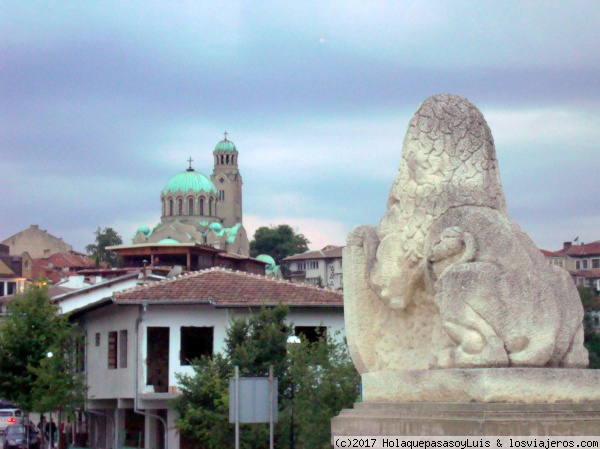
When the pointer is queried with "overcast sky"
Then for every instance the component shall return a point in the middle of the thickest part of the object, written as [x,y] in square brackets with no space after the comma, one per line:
[102,103]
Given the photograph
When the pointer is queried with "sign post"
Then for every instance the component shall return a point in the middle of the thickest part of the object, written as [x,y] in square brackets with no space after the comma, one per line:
[237,407]
[253,400]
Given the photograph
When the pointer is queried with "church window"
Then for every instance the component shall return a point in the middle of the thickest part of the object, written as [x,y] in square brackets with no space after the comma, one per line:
[216,202]
[164,208]
[210,204]
[222,159]
[201,206]
[227,159]
[190,206]
[170,207]
[180,206]
[221,195]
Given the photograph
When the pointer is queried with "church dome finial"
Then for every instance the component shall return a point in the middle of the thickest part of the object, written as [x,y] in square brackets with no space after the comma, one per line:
[225,146]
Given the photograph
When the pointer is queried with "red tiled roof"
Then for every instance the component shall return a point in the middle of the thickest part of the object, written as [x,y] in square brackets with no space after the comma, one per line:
[589,249]
[592,273]
[328,252]
[551,253]
[71,259]
[228,288]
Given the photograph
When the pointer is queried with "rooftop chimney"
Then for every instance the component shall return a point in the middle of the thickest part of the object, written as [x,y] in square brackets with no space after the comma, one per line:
[566,245]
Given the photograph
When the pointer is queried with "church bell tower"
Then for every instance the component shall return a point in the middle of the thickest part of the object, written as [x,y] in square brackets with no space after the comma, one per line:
[227,179]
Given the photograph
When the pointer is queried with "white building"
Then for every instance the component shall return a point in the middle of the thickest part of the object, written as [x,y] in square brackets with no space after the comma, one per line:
[139,339]
[85,295]
[321,267]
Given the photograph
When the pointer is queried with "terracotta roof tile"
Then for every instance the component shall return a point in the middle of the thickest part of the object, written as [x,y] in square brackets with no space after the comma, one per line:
[588,249]
[592,273]
[552,253]
[231,289]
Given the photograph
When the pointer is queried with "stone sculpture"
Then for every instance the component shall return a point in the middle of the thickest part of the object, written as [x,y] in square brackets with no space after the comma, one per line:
[448,280]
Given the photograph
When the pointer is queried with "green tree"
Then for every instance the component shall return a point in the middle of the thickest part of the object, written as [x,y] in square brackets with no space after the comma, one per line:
[324,378]
[326,382]
[278,242]
[591,304]
[104,237]
[28,376]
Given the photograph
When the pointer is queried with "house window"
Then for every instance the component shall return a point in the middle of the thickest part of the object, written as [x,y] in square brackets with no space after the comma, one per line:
[157,343]
[578,265]
[11,288]
[195,343]
[340,263]
[123,349]
[311,333]
[584,264]
[97,338]
[313,264]
[112,350]
[80,354]
[190,206]
[595,263]
[301,266]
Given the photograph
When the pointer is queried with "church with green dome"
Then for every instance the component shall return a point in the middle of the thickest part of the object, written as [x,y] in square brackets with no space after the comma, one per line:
[198,209]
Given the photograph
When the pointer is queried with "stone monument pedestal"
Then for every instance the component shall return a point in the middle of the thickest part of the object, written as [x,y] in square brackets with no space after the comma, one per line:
[477,402]
[475,419]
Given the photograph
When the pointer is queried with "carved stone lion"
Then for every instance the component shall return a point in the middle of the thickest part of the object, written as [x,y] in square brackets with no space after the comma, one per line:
[448,280]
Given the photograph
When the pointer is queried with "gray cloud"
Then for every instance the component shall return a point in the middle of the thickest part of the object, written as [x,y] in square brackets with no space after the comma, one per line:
[101,104]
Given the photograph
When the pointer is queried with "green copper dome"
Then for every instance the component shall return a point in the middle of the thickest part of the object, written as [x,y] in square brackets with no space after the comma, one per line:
[168,240]
[266,258]
[216,226]
[144,230]
[190,180]
[225,146]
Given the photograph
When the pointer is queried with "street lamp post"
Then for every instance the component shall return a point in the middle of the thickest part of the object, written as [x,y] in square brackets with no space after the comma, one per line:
[292,339]
[49,355]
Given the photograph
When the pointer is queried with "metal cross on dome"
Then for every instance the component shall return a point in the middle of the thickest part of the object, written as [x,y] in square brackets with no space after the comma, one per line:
[190,160]
[225,134]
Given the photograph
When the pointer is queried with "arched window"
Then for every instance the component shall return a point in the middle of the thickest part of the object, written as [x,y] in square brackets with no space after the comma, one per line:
[210,203]
[190,206]
[201,206]
[222,159]
[227,159]
[164,208]
[180,206]
[170,206]
[216,202]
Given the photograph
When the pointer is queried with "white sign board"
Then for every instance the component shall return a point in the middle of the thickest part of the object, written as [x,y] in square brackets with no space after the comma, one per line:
[254,400]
